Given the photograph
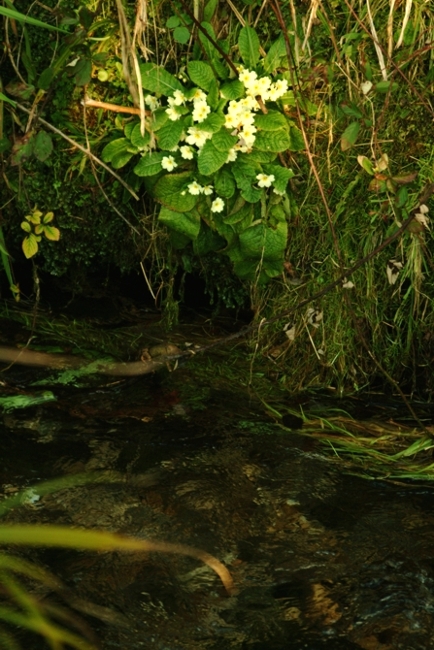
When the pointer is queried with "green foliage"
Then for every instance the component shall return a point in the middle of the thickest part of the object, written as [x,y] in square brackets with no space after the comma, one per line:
[35,227]
[220,140]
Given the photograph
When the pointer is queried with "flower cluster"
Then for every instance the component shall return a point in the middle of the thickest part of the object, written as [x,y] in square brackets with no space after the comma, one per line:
[196,188]
[263,87]
[239,119]
[200,112]
[241,114]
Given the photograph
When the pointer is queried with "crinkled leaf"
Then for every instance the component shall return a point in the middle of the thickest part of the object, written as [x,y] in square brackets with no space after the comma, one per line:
[213,123]
[30,246]
[248,44]
[43,146]
[186,223]
[136,137]
[273,140]
[349,136]
[156,79]
[262,242]
[171,191]
[158,120]
[224,184]
[149,164]
[244,215]
[296,142]
[208,240]
[169,134]
[232,89]
[281,176]
[201,74]
[271,121]
[223,140]
[210,159]
[51,233]
[261,156]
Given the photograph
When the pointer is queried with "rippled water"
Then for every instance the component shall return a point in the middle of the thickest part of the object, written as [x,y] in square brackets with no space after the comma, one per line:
[320,559]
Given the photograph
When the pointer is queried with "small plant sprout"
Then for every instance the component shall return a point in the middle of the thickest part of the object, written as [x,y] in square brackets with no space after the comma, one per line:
[36,225]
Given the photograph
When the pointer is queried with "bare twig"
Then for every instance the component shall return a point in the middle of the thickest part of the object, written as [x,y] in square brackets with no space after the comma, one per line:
[83,149]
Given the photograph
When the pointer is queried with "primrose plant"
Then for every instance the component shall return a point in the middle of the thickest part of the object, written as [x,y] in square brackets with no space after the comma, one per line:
[211,155]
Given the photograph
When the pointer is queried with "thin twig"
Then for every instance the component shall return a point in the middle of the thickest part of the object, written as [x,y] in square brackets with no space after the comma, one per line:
[83,149]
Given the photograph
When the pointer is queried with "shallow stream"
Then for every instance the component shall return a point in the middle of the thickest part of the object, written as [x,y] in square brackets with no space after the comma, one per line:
[320,559]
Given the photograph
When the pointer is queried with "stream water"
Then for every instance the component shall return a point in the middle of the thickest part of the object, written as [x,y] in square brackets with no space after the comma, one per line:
[320,559]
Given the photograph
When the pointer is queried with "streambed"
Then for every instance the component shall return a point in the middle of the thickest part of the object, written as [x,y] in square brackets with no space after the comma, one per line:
[320,559]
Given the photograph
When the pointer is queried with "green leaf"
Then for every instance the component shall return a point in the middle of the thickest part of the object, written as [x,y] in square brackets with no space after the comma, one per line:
[351,110]
[156,79]
[248,44]
[173,22]
[366,164]
[223,140]
[83,72]
[262,242]
[23,18]
[224,184]
[245,177]
[113,148]
[385,86]
[210,159]
[281,175]
[260,156]
[171,191]
[232,89]
[186,223]
[52,233]
[272,140]
[30,246]
[120,159]
[271,121]
[274,55]
[149,164]
[3,98]
[181,35]
[244,216]
[349,136]
[45,78]
[212,123]
[26,226]
[169,135]
[136,137]
[43,146]
[209,10]
[296,139]
[158,119]
[201,74]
